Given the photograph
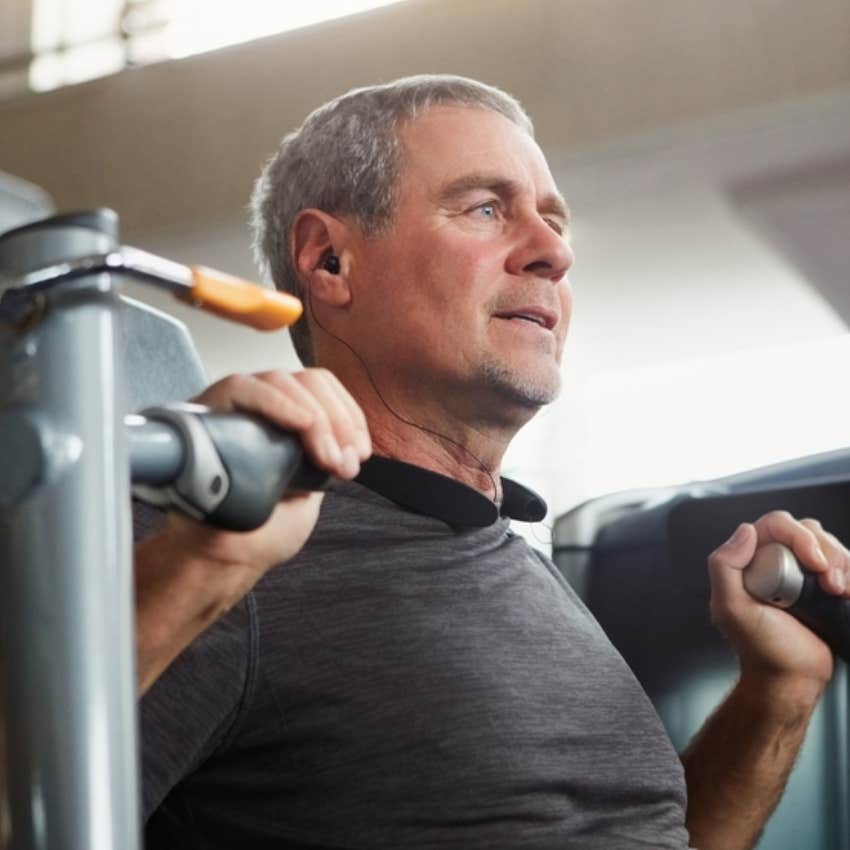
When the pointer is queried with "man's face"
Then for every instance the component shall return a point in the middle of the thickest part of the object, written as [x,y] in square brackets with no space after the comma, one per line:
[466,298]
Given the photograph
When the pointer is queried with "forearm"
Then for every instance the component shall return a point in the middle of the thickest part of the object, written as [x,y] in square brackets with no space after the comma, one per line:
[737,766]
[178,595]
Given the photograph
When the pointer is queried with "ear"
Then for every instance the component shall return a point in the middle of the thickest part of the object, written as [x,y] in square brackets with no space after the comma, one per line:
[315,235]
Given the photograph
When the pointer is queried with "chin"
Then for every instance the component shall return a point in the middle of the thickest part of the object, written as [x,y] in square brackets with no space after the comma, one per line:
[529,390]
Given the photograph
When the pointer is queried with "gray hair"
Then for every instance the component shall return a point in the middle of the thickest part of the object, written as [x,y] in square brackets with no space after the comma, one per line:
[345,159]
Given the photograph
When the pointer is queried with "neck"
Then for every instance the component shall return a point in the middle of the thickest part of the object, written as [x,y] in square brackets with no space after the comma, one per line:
[426,434]
[449,433]
[425,446]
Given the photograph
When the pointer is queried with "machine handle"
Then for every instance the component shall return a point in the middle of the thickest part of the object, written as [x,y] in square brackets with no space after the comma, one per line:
[248,303]
[775,577]
[219,293]
[263,462]
[230,471]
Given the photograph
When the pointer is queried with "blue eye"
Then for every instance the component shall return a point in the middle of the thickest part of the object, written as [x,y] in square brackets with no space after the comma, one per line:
[488,210]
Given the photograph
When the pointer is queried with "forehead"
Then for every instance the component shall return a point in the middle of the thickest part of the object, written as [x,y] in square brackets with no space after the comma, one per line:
[448,141]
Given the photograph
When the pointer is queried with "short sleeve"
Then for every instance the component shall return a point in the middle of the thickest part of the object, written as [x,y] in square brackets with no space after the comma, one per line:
[187,714]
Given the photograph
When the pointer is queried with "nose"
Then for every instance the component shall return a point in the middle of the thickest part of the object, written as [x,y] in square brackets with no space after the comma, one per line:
[540,251]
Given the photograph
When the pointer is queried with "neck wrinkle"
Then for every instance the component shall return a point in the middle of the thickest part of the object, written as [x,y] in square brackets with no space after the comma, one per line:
[409,444]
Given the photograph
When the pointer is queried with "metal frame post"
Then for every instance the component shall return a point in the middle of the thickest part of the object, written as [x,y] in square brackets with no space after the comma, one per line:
[65,558]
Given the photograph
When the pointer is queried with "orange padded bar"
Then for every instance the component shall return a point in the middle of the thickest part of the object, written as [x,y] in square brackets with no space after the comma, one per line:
[241,301]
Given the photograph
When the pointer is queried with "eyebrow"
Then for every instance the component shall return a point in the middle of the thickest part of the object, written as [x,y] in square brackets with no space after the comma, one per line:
[552,203]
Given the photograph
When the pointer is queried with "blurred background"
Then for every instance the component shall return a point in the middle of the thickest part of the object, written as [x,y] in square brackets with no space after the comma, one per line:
[703,147]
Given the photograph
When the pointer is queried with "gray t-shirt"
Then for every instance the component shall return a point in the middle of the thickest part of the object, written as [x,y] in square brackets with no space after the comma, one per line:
[408,682]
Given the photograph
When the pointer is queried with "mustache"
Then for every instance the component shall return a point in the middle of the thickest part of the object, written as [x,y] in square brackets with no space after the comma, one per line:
[516,301]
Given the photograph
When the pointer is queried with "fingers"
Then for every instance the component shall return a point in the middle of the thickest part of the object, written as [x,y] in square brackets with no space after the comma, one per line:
[781,527]
[836,577]
[347,419]
[338,432]
[313,403]
[250,393]
[817,550]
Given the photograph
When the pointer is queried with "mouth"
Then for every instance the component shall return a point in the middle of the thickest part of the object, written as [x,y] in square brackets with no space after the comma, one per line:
[545,319]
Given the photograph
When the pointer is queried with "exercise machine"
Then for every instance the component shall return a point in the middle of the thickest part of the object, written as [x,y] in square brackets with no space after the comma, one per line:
[69,455]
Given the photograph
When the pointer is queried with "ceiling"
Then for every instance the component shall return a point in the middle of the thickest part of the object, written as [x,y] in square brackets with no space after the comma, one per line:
[704,149]
[182,140]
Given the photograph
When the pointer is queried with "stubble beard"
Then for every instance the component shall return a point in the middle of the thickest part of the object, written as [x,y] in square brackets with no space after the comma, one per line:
[530,392]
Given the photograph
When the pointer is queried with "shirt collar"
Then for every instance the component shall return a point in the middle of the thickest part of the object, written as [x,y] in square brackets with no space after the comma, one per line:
[445,498]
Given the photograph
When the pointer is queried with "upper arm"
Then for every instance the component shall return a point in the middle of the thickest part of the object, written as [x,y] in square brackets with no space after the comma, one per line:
[189,711]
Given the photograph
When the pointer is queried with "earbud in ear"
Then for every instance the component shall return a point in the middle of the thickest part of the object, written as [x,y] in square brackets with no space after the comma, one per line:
[331,264]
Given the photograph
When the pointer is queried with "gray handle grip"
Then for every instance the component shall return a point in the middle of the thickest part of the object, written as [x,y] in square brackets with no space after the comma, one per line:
[226,469]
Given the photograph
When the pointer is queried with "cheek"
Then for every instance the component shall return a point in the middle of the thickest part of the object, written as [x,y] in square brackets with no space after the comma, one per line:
[565,296]
[438,286]
[464,275]
[453,282]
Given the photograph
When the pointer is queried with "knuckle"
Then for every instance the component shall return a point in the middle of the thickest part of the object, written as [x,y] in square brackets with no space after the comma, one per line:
[312,373]
[222,390]
[277,377]
[831,537]
[329,379]
[838,545]
[311,380]
[718,559]
[234,384]
[779,516]
[321,419]
[812,536]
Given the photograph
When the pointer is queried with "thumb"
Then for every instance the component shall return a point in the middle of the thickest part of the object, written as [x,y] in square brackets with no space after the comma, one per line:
[726,565]
[738,550]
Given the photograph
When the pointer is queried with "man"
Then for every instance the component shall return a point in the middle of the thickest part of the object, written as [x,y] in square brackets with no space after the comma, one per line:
[416,675]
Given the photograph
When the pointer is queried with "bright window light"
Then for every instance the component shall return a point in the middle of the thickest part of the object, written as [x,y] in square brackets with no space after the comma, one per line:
[200,26]
[670,424]
[76,40]
[76,65]
[709,418]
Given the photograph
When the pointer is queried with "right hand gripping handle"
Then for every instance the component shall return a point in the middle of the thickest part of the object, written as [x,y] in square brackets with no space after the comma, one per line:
[234,467]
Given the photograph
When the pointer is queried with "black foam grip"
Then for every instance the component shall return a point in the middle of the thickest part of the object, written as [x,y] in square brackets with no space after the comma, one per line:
[827,616]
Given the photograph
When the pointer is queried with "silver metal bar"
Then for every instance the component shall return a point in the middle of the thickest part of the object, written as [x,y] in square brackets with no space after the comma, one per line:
[66,609]
[140,264]
[156,451]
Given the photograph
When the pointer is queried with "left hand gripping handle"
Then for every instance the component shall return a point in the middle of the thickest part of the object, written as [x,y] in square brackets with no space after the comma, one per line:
[775,577]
